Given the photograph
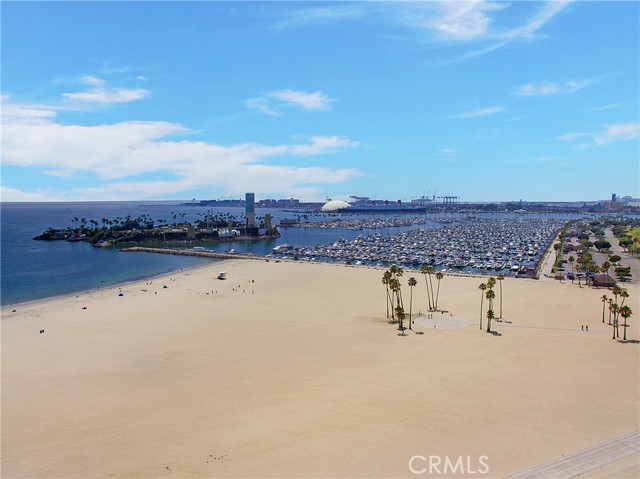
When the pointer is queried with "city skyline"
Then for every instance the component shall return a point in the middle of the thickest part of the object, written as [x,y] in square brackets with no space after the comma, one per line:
[487,101]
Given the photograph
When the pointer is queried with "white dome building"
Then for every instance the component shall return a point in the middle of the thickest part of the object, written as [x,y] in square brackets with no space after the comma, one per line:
[335,205]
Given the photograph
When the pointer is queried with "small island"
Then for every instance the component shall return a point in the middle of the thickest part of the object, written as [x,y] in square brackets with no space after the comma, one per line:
[143,229]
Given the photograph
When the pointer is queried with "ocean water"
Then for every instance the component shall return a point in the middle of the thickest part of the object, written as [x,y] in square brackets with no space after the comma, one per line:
[32,270]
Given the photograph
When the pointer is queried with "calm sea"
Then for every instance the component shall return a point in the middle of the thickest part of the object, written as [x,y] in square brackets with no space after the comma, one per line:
[33,270]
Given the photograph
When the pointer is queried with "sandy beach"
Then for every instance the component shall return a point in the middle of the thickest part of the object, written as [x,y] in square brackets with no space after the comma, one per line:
[292,370]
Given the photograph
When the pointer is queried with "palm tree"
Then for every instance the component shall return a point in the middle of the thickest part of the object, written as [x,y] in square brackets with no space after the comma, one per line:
[401,316]
[500,277]
[490,316]
[623,295]
[625,312]
[604,267]
[424,269]
[439,276]
[394,285]
[386,278]
[615,308]
[412,283]
[490,294]
[610,309]
[604,301]
[482,288]
[572,260]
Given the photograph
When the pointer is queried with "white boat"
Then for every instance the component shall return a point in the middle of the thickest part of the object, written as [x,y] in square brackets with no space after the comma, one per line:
[282,248]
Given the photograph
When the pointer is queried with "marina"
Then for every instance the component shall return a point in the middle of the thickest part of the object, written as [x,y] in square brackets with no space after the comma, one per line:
[485,246]
[471,245]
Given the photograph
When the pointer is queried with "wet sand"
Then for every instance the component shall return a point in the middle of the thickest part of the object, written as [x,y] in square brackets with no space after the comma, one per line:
[292,370]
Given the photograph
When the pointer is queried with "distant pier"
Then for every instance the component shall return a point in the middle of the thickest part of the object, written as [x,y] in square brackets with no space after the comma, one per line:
[190,252]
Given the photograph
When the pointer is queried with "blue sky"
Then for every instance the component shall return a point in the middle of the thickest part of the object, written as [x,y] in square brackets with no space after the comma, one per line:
[176,100]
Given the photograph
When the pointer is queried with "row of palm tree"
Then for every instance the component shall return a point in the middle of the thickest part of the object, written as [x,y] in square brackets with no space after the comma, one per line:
[391,280]
[616,310]
[486,291]
[432,298]
[395,305]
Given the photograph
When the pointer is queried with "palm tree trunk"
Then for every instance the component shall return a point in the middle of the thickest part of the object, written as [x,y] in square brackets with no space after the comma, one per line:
[388,301]
[433,301]
[437,295]
[481,302]
[603,311]
[410,305]
[428,295]
[500,299]
[393,309]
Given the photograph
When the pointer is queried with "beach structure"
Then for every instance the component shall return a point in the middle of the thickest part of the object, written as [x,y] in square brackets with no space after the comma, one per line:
[603,281]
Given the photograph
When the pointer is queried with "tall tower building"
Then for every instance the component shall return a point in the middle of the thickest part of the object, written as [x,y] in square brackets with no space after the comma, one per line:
[250,209]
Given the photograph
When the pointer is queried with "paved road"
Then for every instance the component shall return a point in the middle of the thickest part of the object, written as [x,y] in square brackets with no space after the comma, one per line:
[586,460]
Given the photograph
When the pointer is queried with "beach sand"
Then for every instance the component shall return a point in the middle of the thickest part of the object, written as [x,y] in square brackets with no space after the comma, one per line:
[292,370]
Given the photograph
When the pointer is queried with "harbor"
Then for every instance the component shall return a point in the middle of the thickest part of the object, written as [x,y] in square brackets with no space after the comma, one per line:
[478,246]
[471,245]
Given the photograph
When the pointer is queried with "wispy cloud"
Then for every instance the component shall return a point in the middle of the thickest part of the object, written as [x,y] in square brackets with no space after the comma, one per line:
[309,101]
[261,105]
[546,88]
[482,112]
[452,21]
[571,136]
[612,134]
[304,17]
[273,102]
[619,132]
[438,22]
[610,106]
[100,94]
[119,154]
[475,22]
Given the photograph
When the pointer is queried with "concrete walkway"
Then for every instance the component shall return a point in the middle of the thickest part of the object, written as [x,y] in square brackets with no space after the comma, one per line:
[586,460]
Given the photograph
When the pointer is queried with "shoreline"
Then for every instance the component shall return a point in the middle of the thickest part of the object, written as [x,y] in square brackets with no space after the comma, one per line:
[117,284]
[287,369]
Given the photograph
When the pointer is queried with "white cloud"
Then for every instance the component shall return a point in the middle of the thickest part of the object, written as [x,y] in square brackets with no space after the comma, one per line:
[15,194]
[261,105]
[482,112]
[619,132]
[548,10]
[101,95]
[118,153]
[320,16]
[475,22]
[610,106]
[456,21]
[571,136]
[273,102]
[546,88]
[309,101]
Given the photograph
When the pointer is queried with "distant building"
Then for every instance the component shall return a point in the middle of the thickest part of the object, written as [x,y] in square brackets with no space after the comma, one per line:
[250,209]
